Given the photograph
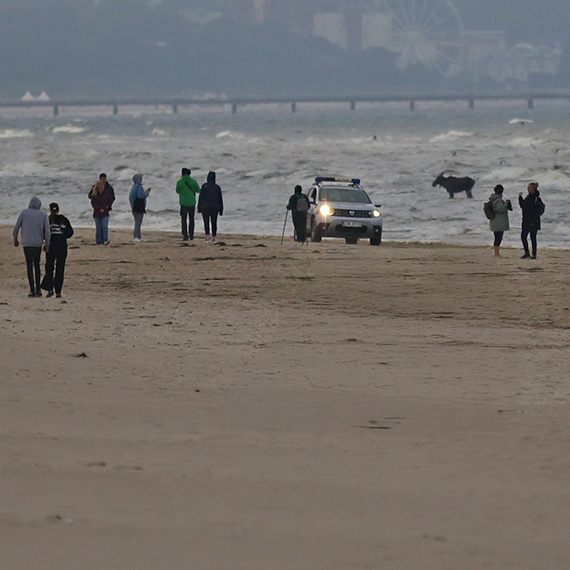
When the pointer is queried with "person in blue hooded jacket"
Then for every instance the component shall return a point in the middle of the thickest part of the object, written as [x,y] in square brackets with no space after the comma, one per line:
[137,199]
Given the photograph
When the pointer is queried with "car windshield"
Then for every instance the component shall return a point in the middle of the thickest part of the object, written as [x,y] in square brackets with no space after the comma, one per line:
[354,195]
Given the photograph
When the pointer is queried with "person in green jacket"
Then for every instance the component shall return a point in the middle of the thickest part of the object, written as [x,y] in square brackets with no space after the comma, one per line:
[187,188]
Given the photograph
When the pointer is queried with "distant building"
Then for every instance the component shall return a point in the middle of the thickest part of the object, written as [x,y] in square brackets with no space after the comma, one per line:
[438,42]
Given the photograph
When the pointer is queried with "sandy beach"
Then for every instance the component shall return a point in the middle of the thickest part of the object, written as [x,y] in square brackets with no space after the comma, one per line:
[248,405]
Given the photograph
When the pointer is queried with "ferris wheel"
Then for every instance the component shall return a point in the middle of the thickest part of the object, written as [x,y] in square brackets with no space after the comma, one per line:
[425,32]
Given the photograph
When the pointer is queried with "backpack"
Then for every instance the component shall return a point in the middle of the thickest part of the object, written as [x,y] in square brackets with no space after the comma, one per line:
[302,203]
[488,209]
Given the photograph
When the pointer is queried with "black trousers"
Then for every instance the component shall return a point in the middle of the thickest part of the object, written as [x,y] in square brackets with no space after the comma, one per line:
[33,255]
[55,259]
[498,238]
[210,216]
[300,223]
[524,236]
[187,221]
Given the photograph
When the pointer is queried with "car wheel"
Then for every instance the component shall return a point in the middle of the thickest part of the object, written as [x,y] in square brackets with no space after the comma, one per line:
[351,240]
[376,240]
[316,232]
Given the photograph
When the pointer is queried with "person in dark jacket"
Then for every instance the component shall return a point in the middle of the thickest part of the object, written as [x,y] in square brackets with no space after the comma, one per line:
[532,208]
[35,235]
[137,200]
[102,197]
[61,231]
[210,204]
[299,204]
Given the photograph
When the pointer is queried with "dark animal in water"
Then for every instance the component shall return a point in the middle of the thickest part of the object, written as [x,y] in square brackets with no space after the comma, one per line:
[454,185]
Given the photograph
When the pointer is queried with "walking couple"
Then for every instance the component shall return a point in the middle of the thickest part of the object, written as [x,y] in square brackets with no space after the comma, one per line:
[210,204]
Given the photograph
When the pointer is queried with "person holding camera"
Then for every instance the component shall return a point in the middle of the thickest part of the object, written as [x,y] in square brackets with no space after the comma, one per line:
[532,208]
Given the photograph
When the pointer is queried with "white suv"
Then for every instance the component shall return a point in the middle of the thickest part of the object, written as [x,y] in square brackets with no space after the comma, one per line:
[340,208]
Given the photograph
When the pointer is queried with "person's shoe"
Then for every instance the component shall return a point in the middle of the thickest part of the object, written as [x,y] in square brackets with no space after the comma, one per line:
[58,296]
[214,240]
[533,256]
[184,238]
[107,242]
[207,238]
[32,294]
[137,240]
[38,293]
[525,256]
[49,294]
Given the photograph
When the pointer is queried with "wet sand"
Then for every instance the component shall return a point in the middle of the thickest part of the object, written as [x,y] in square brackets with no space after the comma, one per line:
[250,405]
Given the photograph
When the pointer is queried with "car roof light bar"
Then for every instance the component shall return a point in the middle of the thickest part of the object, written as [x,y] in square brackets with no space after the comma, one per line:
[319,179]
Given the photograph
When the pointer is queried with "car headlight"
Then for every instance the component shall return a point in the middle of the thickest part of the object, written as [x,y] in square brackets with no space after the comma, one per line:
[325,210]
[376,213]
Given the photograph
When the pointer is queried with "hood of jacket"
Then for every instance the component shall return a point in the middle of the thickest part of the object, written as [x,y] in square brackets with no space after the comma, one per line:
[35,203]
[211,179]
[137,178]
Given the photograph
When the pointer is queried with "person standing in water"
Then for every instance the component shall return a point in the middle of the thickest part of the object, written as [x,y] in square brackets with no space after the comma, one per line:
[102,197]
[61,231]
[500,223]
[210,204]
[137,199]
[35,236]
[532,208]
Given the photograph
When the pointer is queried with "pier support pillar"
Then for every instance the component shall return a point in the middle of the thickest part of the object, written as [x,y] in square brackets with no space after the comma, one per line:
[55,110]
[412,105]
[352,105]
[174,109]
[115,109]
[471,103]
[234,108]
[531,103]
[293,107]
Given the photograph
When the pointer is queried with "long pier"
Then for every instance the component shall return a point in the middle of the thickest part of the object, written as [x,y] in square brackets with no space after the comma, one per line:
[235,102]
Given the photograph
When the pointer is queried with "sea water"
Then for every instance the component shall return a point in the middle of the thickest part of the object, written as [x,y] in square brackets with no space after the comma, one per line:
[261,152]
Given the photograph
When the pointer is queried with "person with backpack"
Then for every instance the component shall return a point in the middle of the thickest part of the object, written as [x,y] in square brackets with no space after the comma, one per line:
[61,231]
[299,206]
[187,188]
[499,223]
[137,200]
[532,208]
[210,205]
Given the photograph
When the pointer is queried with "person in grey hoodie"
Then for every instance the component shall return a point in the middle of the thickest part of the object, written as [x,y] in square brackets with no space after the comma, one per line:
[35,235]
